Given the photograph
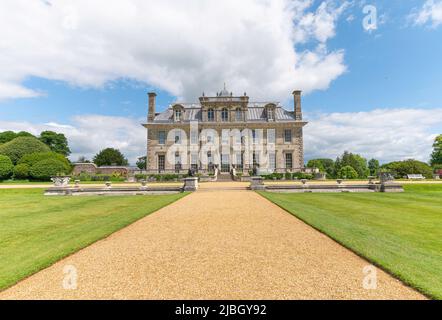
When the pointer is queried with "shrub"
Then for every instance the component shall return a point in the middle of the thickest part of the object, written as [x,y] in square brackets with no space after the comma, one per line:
[6,167]
[18,147]
[302,175]
[401,168]
[33,158]
[288,176]
[21,171]
[45,169]
[347,172]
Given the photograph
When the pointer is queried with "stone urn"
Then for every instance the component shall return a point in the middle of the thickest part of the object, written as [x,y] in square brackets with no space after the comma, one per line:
[339,181]
[61,181]
[108,184]
[304,181]
[77,184]
[371,180]
[143,184]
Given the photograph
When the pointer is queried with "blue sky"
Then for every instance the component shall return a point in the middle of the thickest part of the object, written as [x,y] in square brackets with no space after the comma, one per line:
[396,66]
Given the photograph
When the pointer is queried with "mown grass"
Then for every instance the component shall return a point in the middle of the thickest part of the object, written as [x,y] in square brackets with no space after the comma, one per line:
[400,232]
[36,230]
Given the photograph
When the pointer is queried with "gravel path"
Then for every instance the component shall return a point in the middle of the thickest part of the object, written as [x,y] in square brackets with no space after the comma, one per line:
[228,244]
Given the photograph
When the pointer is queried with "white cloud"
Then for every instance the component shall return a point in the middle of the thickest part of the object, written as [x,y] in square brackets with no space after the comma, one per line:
[431,12]
[89,134]
[182,47]
[385,134]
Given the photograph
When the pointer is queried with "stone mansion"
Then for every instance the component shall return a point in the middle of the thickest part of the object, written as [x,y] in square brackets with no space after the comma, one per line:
[225,132]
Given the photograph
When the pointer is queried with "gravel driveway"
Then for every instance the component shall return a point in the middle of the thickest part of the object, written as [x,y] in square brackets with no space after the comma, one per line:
[228,244]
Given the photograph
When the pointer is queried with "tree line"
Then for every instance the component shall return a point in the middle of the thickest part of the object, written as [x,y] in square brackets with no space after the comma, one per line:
[355,166]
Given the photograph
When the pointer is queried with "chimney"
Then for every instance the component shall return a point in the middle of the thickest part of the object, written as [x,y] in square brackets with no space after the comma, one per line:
[297,101]
[151,114]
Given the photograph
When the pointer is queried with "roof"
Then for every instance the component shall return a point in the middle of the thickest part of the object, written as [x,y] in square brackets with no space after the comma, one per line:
[255,113]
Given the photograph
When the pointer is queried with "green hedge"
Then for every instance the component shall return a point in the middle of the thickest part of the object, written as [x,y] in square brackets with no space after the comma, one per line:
[99,177]
[33,158]
[21,171]
[160,177]
[18,147]
[287,176]
[6,167]
[45,169]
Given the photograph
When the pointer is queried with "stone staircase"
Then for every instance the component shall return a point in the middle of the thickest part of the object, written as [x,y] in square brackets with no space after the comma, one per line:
[224,177]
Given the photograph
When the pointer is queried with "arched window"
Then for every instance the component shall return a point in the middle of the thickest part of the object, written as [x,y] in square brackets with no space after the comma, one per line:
[210,115]
[270,114]
[238,114]
[224,115]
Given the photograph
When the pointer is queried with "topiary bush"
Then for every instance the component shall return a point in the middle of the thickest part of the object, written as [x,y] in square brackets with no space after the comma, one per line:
[33,158]
[21,171]
[18,147]
[347,172]
[6,167]
[45,169]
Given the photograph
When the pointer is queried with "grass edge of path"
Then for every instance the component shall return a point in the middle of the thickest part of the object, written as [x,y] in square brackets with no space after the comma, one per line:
[73,251]
[379,265]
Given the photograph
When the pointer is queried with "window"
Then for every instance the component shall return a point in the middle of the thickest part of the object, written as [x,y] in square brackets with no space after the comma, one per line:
[271,136]
[177,115]
[238,114]
[288,161]
[272,161]
[254,140]
[225,163]
[270,114]
[287,135]
[177,136]
[210,115]
[224,115]
[161,137]
[255,160]
[177,162]
[161,163]
[210,165]
[194,161]
[239,162]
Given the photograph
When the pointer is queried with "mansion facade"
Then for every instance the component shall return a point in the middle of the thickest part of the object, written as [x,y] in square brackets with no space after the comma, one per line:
[225,132]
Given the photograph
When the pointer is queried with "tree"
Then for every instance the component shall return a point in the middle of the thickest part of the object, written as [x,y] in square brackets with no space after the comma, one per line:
[141,163]
[6,167]
[347,172]
[355,161]
[56,141]
[324,165]
[18,147]
[373,166]
[7,136]
[401,168]
[436,156]
[110,157]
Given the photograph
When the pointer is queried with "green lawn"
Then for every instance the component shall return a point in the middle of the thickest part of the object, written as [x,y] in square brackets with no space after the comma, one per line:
[36,231]
[401,232]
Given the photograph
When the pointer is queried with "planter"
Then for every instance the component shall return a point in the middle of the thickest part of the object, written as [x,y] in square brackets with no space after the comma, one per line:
[61,181]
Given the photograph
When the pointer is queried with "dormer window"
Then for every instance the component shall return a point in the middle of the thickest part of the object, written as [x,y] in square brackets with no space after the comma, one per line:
[270,112]
[224,115]
[178,115]
[210,115]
